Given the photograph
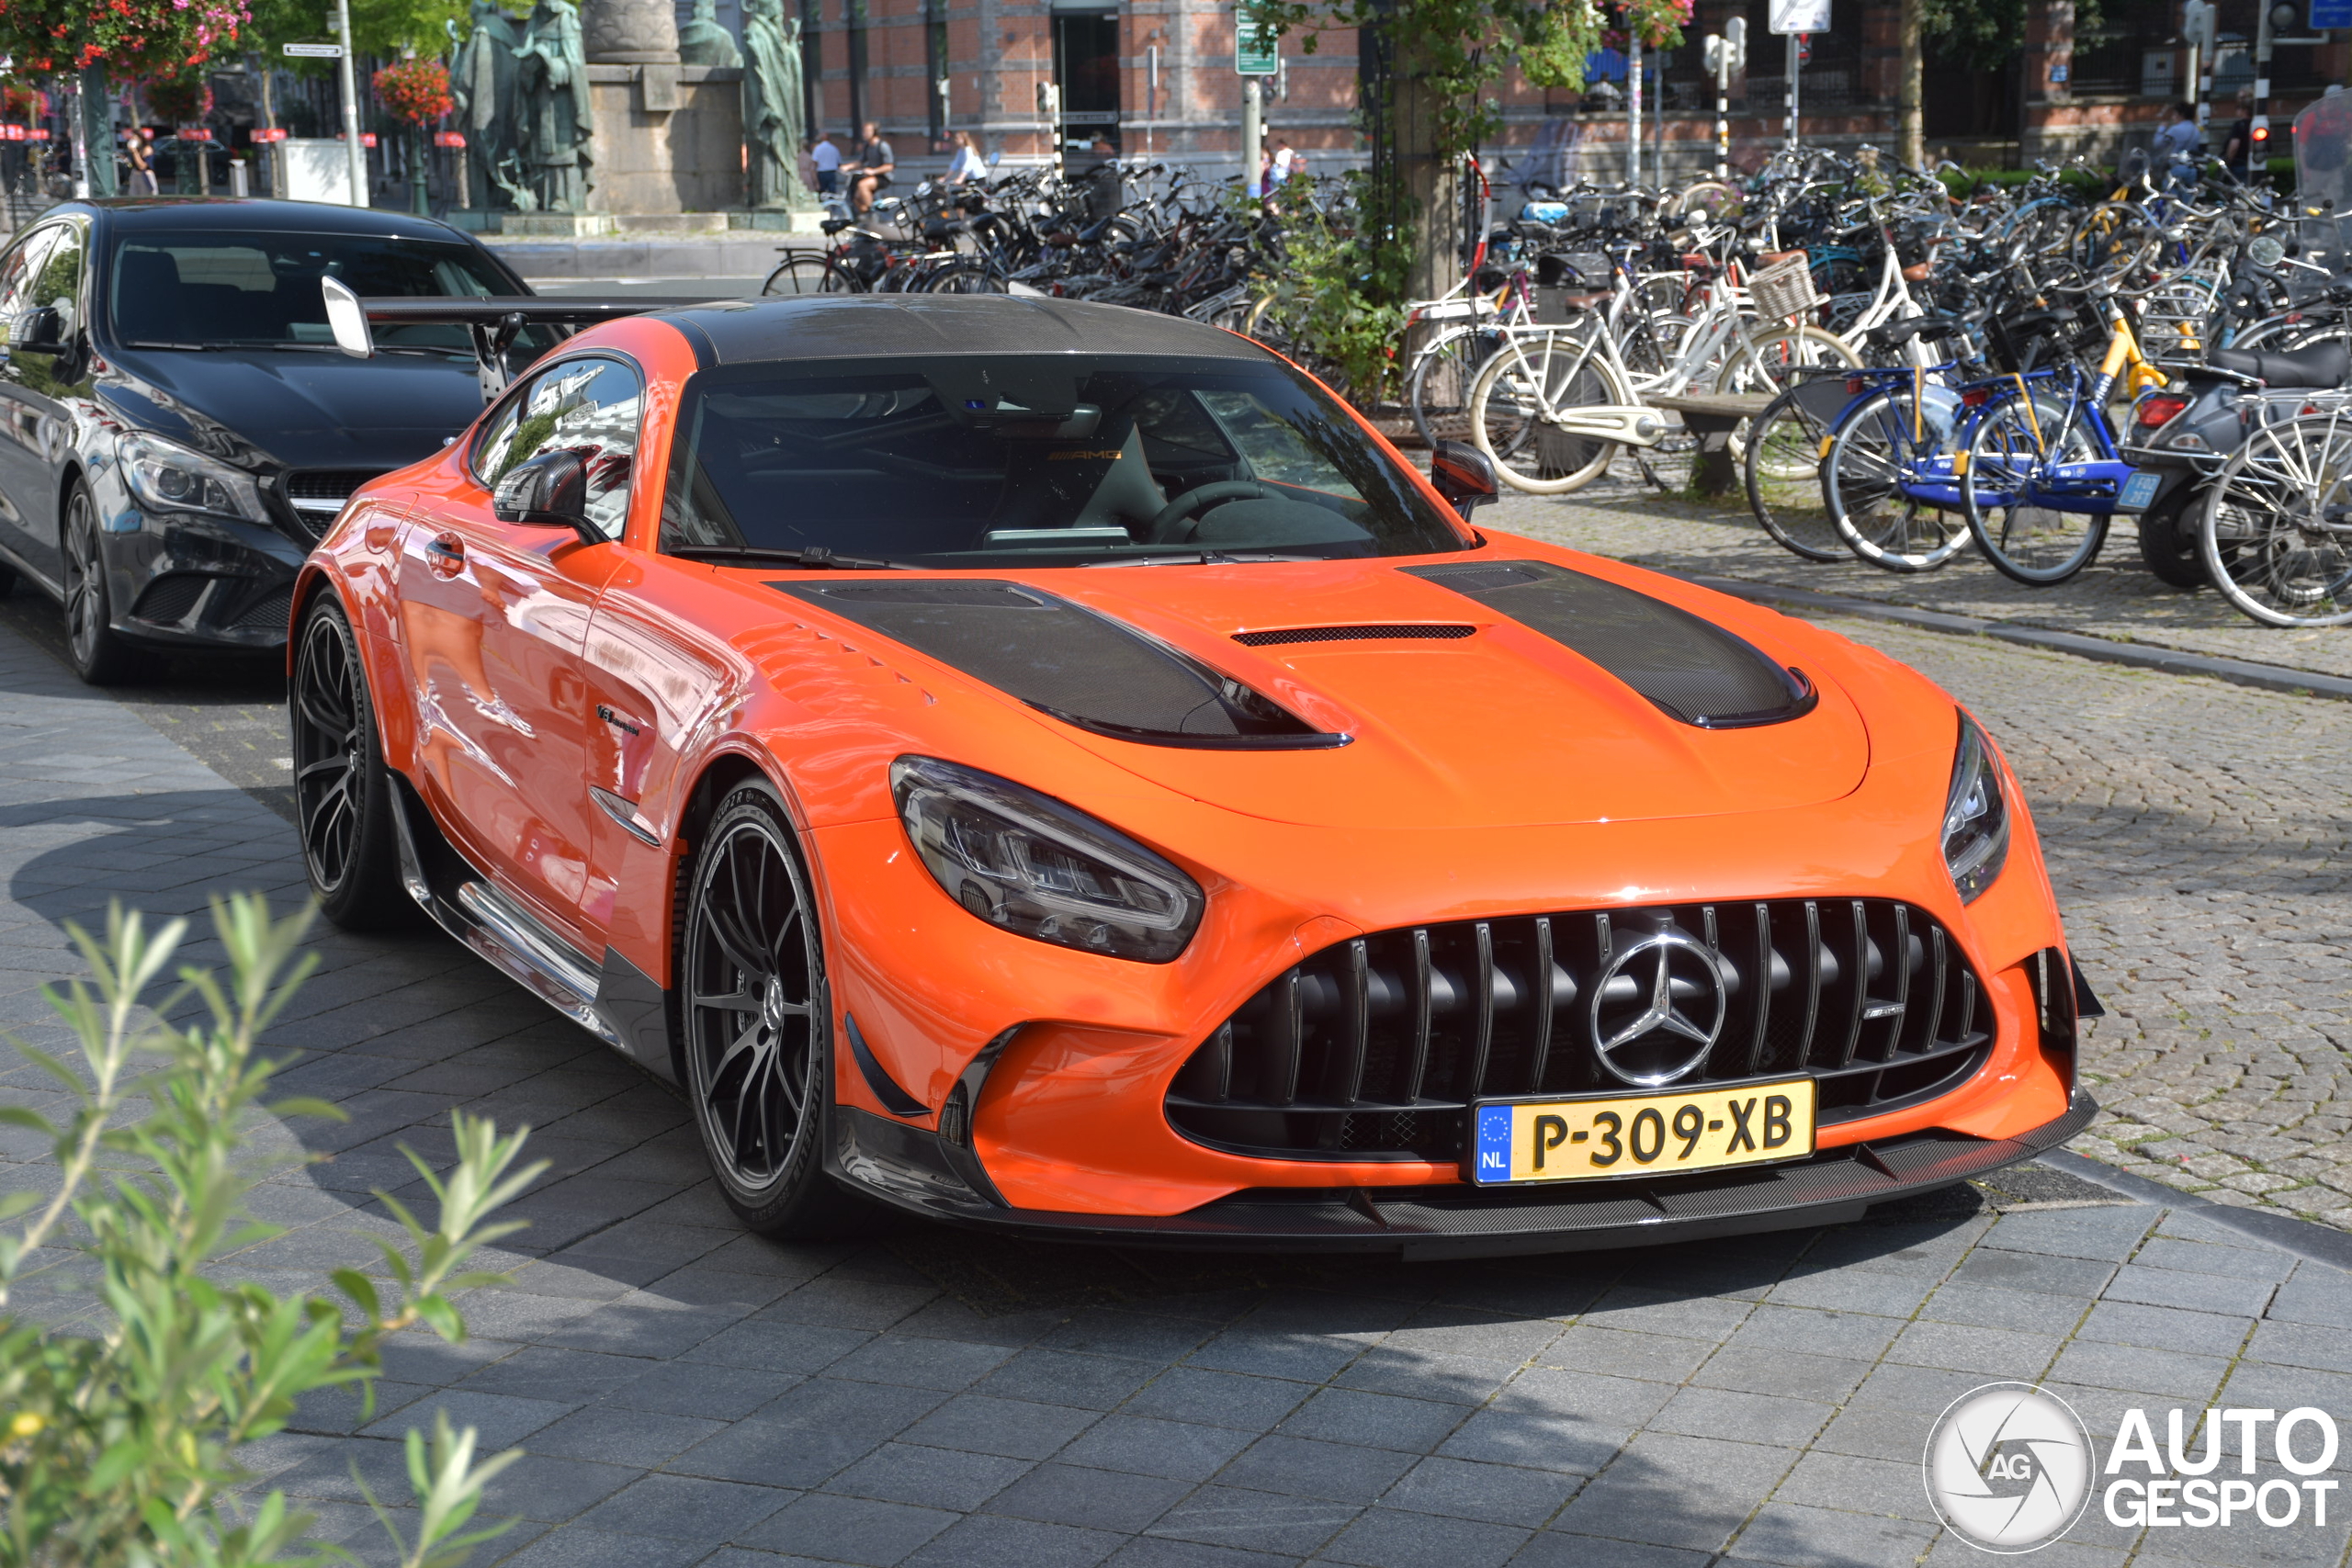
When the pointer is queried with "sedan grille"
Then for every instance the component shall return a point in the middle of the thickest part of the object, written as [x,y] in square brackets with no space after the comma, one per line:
[1375,1048]
[316,494]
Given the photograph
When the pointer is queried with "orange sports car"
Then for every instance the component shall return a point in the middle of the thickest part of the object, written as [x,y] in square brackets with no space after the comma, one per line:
[1058,767]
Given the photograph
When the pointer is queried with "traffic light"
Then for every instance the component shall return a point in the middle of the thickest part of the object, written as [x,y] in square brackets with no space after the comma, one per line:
[1736,43]
[2196,24]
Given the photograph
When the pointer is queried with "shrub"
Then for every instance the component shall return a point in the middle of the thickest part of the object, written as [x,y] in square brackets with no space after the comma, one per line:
[119,1433]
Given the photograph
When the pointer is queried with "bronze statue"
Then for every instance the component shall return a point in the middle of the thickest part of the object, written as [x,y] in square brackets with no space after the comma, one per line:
[702,41]
[483,81]
[551,72]
[774,106]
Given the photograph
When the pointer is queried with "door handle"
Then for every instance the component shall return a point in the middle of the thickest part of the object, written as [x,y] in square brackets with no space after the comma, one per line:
[445,555]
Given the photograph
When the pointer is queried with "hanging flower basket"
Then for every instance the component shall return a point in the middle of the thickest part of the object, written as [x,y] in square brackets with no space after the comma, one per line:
[132,37]
[182,100]
[22,104]
[1659,22]
[415,90]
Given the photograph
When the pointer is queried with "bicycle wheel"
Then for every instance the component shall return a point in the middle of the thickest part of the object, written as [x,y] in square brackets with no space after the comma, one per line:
[1877,450]
[803,274]
[1438,392]
[1515,408]
[1772,362]
[2276,533]
[2027,540]
[1783,473]
[963,277]
[2113,240]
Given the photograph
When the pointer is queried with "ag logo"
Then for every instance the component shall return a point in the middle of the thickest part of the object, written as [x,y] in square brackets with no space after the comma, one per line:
[2008,1468]
[1657,1009]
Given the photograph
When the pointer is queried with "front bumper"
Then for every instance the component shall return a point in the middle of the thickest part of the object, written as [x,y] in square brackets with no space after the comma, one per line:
[915,1168]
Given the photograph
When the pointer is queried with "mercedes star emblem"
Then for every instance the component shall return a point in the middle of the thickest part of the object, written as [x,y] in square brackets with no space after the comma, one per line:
[1643,1026]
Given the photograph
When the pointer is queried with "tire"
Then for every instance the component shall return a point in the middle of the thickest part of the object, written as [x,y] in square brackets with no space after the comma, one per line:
[1782,467]
[963,277]
[1507,407]
[803,274]
[1879,524]
[342,792]
[755,1022]
[1439,393]
[2037,545]
[2168,541]
[2274,533]
[1780,358]
[99,653]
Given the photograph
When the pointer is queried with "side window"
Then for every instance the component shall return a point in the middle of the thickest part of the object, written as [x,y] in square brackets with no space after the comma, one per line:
[589,406]
[59,281]
[20,269]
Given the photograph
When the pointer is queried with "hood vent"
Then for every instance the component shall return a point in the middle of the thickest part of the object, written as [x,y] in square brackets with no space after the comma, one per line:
[1692,669]
[1062,659]
[1396,633]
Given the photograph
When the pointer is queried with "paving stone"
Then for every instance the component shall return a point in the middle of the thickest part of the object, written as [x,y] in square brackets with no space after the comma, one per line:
[989,1541]
[1180,1450]
[1500,1494]
[1374,1420]
[847,1529]
[1096,1499]
[1383,1538]
[1298,1467]
[685,1508]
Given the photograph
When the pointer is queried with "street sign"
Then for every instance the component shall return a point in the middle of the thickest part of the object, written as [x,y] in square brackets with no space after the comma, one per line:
[315,51]
[448,139]
[2331,14]
[1800,15]
[269,133]
[1256,49]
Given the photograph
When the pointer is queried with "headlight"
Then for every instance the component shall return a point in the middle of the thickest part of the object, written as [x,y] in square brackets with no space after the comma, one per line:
[1976,816]
[1027,862]
[167,477]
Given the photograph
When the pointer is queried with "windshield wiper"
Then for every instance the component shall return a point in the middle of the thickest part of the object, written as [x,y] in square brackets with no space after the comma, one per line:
[1200,558]
[145,343]
[816,558]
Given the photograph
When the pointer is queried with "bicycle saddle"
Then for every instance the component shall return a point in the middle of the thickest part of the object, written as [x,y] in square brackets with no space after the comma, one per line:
[1927,328]
[2325,363]
[833,225]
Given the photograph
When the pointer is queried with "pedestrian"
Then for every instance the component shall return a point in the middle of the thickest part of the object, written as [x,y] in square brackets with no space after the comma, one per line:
[870,173]
[825,159]
[2237,150]
[1105,196]
[967,164]
[1288,164]
[143,171]
[2176,145]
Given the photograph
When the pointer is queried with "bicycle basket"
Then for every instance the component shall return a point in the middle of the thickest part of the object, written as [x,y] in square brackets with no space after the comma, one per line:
[1784,288]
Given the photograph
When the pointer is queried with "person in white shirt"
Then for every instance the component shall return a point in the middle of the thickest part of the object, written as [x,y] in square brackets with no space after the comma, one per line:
[967,163]
[1288,163]
[827,158]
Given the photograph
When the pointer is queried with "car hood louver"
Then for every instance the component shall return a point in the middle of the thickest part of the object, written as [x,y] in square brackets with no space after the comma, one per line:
[1081,667]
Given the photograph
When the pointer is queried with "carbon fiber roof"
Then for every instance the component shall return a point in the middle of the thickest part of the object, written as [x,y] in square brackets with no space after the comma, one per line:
[885,326]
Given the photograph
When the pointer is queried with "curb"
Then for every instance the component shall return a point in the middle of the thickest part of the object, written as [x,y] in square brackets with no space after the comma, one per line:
[2237,671]
[2314,1242]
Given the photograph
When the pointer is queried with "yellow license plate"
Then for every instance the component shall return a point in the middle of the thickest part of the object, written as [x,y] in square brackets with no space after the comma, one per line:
[1641,1134]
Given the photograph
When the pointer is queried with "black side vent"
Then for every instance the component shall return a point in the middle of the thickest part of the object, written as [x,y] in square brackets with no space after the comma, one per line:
[1353,634]
[268,612]
[168,599]
[1083,667]
[1693,669]
[1375,1049]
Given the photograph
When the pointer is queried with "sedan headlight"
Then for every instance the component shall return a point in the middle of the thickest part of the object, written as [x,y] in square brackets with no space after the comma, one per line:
[1976,816]
[168,477]
[1027,862]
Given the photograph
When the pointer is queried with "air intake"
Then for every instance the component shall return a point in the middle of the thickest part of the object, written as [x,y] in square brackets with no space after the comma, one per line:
[1399,632]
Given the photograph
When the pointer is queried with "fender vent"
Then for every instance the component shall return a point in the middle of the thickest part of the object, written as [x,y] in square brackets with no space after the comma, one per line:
[168,599]
[1353,634]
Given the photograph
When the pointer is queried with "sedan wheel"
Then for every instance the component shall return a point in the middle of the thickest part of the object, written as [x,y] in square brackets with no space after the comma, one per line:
[99,655]
[756,1021]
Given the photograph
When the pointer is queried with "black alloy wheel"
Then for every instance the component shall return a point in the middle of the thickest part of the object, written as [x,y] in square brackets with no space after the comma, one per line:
[756,1021]
[342,792]
[99,655]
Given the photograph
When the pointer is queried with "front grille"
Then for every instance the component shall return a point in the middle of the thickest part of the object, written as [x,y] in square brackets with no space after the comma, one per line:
[316,494]
[1351,634]
[1375,1048]
[168,599]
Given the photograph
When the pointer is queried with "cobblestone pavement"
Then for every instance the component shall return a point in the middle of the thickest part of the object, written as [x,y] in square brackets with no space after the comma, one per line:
[688,1394]
[2114,597]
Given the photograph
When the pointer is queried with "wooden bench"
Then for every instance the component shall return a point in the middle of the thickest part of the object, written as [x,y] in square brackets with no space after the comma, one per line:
[1712,417]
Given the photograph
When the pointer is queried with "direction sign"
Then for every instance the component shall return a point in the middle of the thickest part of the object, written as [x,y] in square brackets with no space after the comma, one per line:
[2331,14]
[1256,48]
[1800,15]
[315,51]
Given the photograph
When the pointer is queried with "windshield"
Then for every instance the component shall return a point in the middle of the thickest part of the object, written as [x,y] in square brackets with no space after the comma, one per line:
[983,461]
[196,289]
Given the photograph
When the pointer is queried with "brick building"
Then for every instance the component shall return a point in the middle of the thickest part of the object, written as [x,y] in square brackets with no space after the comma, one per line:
[925,67]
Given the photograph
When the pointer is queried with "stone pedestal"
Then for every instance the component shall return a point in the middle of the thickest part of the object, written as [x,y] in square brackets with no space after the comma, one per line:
[629,32]
[555,225]
[776,221]
[649,158]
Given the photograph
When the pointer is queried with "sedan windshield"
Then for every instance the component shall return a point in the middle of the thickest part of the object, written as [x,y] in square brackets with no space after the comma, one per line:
[978,461]
[197,289]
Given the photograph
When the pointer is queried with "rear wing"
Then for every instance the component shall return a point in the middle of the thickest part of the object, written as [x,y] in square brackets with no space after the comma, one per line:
[494,322]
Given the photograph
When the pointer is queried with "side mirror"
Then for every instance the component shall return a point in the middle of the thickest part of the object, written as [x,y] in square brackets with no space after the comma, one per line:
[1464,475]
[550,490]
[40,328]
[347,319]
